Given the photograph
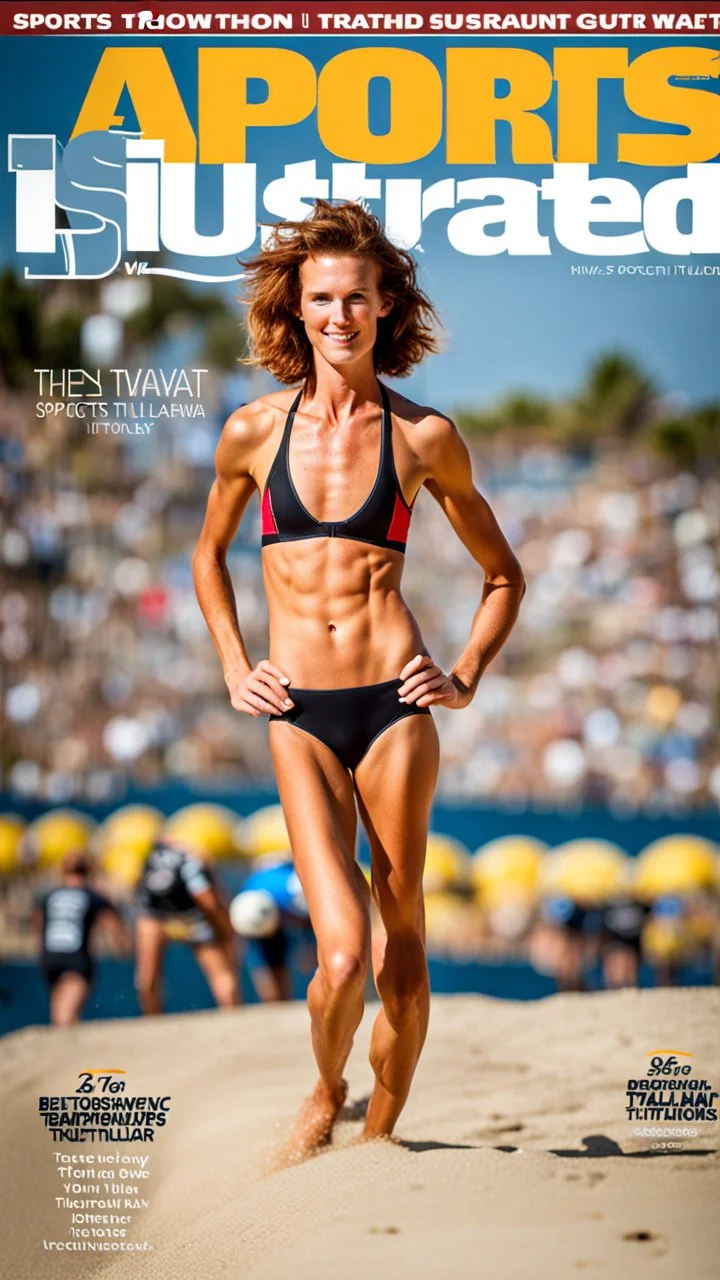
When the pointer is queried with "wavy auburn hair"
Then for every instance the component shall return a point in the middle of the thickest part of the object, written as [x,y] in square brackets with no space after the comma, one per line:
[278,341]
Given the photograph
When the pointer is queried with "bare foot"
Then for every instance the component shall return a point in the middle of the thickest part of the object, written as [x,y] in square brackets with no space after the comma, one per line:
[313,1128]
[362,1139]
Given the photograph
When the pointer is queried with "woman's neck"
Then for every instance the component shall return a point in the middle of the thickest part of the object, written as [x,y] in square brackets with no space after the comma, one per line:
[340,392]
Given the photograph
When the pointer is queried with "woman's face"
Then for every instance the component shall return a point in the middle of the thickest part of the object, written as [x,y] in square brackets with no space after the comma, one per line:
[340,305]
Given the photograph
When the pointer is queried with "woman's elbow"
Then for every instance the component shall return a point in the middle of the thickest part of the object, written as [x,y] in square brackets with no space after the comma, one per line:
[510,575]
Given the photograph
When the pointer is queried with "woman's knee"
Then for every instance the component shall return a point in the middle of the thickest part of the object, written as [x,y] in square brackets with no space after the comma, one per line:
[345,967]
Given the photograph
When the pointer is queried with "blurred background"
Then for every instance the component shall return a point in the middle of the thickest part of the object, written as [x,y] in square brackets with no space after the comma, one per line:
[591,751]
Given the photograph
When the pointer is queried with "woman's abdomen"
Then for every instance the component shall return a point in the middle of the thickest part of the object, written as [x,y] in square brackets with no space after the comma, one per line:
[337,618]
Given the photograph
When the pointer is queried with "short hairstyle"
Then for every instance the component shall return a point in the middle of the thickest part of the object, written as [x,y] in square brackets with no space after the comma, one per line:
[77,863]
[277,338]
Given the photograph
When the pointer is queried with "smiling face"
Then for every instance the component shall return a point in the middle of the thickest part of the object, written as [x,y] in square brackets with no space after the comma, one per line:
[340,305]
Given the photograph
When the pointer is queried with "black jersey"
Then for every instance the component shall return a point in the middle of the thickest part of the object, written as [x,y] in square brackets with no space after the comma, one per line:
[68,915]
[624,921]
[170,878]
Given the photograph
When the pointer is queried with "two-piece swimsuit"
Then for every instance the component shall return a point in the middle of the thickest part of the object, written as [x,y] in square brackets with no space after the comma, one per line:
[347,720]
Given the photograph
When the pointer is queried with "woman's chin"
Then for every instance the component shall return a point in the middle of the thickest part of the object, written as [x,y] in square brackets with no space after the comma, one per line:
[343,357]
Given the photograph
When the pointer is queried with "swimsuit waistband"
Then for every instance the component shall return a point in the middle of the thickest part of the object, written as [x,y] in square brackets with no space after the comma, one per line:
[361,689]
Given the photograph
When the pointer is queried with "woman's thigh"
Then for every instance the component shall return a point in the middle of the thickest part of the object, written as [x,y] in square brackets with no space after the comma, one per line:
[395,783]
[318,801]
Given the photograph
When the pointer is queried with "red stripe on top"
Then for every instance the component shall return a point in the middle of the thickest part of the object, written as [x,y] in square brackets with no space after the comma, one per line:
[400,523]
[268,519]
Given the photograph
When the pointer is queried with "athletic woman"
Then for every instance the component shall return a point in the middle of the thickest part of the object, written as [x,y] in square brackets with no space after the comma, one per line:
[338,462]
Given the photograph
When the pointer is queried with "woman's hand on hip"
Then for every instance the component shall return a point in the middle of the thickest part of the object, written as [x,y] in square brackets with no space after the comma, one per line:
[259,692]
[425,685]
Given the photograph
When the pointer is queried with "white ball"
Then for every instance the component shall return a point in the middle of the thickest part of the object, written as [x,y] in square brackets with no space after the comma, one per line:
[255,914]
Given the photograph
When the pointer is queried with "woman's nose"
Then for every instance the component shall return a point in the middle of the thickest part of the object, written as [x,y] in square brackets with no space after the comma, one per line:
[338,311]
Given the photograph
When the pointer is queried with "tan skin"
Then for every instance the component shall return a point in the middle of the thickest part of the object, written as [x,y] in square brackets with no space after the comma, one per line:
[218,959]
[338,619]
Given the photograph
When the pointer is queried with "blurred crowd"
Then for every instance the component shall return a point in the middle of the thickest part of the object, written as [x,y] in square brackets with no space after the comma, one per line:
[606,692]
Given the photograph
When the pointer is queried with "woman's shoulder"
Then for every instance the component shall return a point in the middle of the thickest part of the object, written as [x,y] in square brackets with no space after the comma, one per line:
[260,415]
[252,424]
[250,430]
[423,426]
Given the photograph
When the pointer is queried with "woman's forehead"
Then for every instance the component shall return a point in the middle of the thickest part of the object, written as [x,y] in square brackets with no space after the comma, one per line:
[345,271]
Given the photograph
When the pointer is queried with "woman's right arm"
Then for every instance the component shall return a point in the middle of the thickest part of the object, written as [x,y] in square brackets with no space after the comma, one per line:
[258,690]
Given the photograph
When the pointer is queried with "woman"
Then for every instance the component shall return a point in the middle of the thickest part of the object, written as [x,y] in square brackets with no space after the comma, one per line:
[338,462]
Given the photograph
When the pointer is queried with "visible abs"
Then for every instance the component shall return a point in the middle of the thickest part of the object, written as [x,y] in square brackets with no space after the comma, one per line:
[340,621]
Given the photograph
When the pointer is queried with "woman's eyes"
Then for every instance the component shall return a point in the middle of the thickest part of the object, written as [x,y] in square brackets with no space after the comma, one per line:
[353,297]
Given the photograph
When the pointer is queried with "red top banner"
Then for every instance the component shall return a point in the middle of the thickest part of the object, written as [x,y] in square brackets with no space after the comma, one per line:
[390,19]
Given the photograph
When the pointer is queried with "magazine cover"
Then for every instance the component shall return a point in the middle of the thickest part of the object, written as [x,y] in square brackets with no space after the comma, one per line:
[360,493]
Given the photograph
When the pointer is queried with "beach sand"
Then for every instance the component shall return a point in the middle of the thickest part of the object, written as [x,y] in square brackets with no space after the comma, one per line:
[517,1158]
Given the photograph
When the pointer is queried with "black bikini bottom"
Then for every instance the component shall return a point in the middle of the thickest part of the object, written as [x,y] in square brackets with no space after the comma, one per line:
[349,720]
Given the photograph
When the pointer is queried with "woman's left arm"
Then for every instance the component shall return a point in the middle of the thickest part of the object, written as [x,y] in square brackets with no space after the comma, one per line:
[450,482]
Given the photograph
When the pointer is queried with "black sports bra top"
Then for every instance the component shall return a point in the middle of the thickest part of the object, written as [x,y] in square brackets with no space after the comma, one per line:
[383,519]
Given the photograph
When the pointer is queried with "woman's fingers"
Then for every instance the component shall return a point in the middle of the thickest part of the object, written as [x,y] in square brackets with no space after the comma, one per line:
[273,671]
[441,694]
[239,704]
[415,664]
[438,686]
[261,703]
[421,677]
[269,687]
[262,692]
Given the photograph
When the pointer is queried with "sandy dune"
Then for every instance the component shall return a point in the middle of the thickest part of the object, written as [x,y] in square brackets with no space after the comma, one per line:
[518,1160]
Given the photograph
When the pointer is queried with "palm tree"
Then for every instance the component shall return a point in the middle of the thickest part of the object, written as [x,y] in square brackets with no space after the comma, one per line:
[519,409]
[617,397]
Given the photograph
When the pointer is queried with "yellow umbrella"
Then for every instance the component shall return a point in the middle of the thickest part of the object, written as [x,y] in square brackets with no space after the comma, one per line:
[675,864]
[499,893]
[11,830]
[208,829]
[134,827]
[447,863]
[441,910]
[452,923]
[49,838]
[510,860]
[265,831]
[123,864]
[585,870]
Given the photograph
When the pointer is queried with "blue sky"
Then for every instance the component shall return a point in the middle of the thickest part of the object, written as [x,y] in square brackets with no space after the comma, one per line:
[522,322]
